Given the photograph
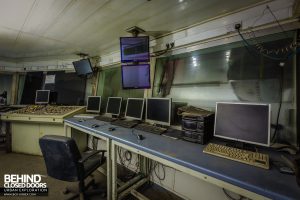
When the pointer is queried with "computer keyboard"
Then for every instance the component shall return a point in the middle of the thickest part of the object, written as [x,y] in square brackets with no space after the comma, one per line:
[125,124]
[86,116]
[150,128]
[244,156]
[105,119]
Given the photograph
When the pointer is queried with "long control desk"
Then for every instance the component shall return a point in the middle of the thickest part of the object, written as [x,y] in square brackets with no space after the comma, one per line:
[249,181]
[30,123]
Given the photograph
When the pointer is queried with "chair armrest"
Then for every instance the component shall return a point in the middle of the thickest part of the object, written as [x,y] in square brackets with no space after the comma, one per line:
[85,158]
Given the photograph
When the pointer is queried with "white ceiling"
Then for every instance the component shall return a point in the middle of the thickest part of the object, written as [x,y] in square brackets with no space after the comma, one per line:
[31,28]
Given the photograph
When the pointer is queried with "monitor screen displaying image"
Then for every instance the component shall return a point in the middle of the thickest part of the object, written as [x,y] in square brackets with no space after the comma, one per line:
[244,122]
[134,108]
[93,104]
[158,111]
[42,96]
[136,76]
[134,49]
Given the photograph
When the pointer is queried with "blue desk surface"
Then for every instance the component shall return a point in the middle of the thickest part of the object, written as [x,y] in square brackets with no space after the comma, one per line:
[269,183]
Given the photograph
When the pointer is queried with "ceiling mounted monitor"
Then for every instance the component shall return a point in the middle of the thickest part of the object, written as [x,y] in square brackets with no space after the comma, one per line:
[83,67]
[136,76]
[134,49]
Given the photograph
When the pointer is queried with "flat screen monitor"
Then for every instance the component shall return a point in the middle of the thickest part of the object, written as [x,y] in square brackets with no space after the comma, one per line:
[83,67]
[158,110]
[114,105]
[244,122]
[93,104]
[134,49]
[42,96]
[134,108]
[136,76]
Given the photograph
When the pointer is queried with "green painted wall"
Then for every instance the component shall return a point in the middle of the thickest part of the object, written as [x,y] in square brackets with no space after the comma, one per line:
[110,85]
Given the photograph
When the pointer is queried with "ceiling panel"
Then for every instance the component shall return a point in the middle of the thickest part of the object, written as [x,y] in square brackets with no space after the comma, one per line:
[44,14]
[7,41]
[53,27]
[14,12]
[42,46]
[109,15]
[190,12]
[73,17]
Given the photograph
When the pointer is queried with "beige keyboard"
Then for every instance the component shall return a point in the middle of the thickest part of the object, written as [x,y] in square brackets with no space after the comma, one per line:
[86,115]
[244,156]
[150,128]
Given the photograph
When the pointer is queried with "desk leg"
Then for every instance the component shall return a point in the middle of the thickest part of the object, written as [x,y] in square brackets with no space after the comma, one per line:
[68,131]
[114,170]
[109,169]
[8,133]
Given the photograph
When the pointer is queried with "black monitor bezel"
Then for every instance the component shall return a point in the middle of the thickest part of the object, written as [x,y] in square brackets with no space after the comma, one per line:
[90,64]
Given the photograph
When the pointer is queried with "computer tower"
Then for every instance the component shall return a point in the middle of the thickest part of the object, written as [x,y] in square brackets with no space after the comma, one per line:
[198,129]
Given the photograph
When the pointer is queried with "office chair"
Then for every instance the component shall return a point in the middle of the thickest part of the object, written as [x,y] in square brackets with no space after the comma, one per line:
[64,162]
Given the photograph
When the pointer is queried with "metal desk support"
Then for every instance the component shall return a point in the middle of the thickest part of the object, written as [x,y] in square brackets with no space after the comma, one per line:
[68,130]
[222,184]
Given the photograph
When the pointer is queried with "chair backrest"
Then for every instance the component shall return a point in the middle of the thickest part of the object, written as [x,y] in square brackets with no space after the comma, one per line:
[61,157]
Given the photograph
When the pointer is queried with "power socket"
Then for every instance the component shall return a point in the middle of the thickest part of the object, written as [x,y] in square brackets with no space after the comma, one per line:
[233,26]
[238,26]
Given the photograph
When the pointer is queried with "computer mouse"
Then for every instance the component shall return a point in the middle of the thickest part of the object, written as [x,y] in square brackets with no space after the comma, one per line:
[95,125]
[111,128]
[140,137]
[289,150]
[286,170]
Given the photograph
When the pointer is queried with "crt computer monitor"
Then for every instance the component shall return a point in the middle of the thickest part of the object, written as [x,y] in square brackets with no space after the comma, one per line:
[158,111]
[93,104]
[134,108]
[42,96]
[243,122]
[114,105]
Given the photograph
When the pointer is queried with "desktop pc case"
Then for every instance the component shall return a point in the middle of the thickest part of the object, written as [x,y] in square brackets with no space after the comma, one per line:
[198,128]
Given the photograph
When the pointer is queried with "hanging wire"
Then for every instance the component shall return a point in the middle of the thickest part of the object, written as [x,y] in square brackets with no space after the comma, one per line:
[282,29]
[259,49]
[249,46]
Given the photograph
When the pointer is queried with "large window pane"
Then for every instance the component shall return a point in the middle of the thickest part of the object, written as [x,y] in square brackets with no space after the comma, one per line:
[110,85]
[232,72]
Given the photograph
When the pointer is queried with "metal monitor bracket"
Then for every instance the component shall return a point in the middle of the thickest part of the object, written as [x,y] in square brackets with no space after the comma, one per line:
[135,31]
[82,55]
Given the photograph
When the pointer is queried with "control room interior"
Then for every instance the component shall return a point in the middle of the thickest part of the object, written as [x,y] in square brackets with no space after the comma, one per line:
[150,99]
